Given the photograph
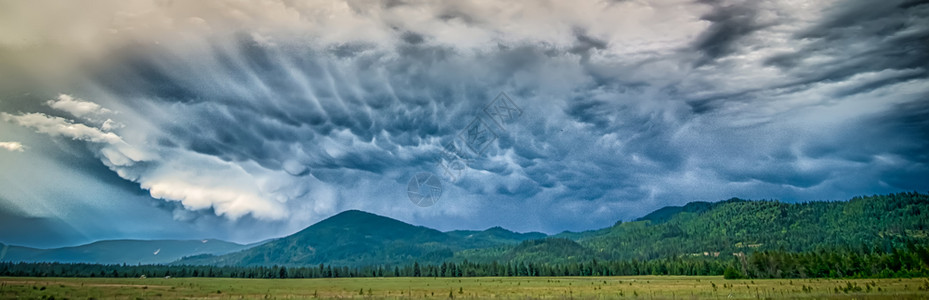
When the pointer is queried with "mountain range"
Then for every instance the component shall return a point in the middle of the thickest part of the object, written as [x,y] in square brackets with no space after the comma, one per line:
[121,251]
[355,238]
[720,229]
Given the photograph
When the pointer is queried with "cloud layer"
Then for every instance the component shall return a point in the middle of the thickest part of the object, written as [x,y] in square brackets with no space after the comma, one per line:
[12,146]
[283,112]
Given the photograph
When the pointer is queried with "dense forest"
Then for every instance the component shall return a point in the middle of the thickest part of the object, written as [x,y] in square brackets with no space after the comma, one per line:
[875,236]
[910,261]
[888,221]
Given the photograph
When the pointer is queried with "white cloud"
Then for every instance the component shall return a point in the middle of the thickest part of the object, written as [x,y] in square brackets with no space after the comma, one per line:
[57,126]
[12,146]
[232,202]
[76,107]
[110,125]
[231,189]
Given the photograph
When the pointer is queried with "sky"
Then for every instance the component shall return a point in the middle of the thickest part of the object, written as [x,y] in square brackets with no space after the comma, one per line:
[248,120]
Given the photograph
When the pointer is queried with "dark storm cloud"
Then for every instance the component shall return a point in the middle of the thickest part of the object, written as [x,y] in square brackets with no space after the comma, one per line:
[859,37]
[909,119]
[851,40]
[586,44]
[454,13]
[412,38]
[258,123]
[736,99]
[862,38]
[730,23]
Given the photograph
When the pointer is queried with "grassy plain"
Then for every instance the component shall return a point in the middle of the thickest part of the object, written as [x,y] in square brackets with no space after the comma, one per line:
[631,287]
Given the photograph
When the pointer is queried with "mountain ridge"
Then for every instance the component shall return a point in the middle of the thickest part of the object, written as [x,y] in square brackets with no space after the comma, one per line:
[697,228]
[358,238]
[120,251]
[355,237]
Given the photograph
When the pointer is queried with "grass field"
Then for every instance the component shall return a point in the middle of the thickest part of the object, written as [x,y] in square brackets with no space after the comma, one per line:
[638,287]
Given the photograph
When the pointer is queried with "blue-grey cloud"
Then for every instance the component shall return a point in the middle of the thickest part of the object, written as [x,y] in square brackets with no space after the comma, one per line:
[231,115]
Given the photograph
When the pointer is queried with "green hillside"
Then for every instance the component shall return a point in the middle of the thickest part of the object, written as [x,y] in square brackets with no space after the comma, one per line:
[666,213]
[742,226]
[493,236]
[355,238]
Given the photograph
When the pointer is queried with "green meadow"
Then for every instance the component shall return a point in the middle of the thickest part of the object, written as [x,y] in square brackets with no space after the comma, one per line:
[633,287]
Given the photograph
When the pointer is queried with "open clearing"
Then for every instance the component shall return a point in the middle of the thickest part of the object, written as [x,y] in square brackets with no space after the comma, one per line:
[625,287]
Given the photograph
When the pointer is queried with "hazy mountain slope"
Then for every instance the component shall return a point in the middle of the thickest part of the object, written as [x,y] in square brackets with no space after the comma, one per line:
[120,251]
[494,236]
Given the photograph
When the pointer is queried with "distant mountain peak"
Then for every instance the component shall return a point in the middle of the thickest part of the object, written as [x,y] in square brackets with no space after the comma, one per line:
[122,251]
[498,229]
[665,214]
[358,218]
[356,214]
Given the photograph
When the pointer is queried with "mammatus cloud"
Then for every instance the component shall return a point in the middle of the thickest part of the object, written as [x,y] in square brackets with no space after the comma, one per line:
[286,111]
[12,146]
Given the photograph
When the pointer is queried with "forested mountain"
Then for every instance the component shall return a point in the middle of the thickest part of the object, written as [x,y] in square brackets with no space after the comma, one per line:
[741,226]
[494,236]
[666,213]
[721,229]
[357,238]
[120,251]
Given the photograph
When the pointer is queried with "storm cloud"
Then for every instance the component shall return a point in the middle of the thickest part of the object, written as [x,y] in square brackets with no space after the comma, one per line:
[281,113]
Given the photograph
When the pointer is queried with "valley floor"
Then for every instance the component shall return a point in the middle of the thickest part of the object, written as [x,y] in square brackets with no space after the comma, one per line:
[626,287]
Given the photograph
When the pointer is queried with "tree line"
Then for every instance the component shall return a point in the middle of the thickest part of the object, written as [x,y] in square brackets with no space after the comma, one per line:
[909,261]
[864,262]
